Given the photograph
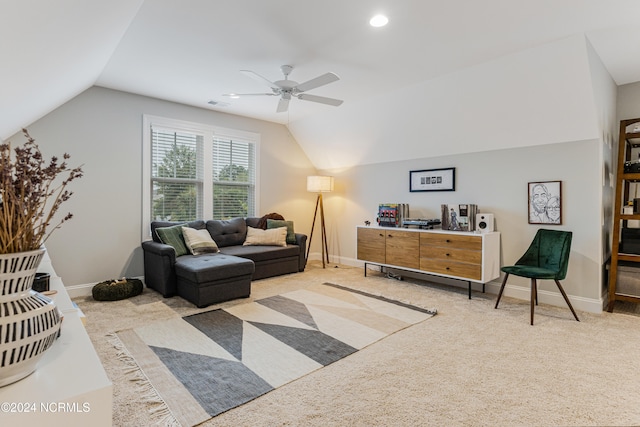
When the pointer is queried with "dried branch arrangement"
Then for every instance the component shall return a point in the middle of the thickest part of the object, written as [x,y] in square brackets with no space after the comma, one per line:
[30,195]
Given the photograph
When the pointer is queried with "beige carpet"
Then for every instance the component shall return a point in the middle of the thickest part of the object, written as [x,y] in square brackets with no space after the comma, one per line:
[469,365]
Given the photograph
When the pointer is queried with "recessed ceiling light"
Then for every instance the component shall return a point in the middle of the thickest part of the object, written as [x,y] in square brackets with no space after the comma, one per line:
[378,21]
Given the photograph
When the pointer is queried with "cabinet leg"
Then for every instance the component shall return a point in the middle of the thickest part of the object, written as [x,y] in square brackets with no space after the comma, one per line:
[469,289]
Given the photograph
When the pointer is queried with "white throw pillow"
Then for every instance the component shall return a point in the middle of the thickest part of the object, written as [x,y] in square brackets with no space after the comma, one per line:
[270,237]
[199,241]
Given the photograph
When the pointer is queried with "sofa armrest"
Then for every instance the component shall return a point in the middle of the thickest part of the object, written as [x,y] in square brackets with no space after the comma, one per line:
[159,267]
[301,240]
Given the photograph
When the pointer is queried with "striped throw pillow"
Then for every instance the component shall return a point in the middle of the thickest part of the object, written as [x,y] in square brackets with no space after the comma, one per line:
[199,241]
[173,236]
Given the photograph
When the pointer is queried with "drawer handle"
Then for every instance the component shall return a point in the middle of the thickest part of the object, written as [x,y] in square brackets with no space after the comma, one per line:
[448,241]
[389,235]
[448,254]
[381,235]
[447,268]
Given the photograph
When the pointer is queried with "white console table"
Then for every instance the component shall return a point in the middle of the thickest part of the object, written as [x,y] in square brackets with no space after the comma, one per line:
[466,256]
[69,386]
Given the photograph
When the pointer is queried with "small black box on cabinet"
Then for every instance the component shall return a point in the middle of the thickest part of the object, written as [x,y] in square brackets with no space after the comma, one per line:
[41,282]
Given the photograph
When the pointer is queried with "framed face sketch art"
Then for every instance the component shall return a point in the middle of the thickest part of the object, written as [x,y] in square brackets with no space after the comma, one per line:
[545,202]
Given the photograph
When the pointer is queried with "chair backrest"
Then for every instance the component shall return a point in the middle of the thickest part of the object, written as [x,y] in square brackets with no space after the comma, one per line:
[550,249]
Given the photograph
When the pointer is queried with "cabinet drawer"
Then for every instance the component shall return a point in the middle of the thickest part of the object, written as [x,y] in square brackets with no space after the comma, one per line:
[450,254]
[449,268]
[403,248]
[451,240]
[371,246]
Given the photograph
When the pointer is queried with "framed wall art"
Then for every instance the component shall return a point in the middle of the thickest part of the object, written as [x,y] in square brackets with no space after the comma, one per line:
[433,180]
[545,202]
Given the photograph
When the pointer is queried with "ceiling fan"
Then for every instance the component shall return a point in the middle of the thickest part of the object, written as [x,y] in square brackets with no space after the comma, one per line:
[288,88]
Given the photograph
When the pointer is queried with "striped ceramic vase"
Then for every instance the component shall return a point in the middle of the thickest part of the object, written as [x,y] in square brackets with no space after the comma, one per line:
[29,321]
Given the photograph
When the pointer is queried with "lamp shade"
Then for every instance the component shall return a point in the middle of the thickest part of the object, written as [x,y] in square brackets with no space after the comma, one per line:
[319,184]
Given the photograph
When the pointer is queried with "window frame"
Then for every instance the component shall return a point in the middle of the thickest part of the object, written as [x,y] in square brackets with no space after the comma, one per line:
[209,132]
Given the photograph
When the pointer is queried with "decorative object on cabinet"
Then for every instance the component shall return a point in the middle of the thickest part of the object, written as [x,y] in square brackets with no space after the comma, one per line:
[41,282]
[392,214]
[546,258]
[625,217]
[319,184]
[545,202]
[484,222]
[460,217]
[29,321]
[30,196]
[443,179]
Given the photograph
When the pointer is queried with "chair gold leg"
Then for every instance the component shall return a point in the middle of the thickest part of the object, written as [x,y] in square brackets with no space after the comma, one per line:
[564,294]
[504,282]
[534,296]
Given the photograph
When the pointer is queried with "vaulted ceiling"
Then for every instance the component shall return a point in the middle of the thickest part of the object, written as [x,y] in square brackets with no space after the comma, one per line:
[192,51]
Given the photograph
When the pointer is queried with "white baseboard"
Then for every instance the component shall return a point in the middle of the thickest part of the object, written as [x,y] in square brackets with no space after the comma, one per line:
[84,290]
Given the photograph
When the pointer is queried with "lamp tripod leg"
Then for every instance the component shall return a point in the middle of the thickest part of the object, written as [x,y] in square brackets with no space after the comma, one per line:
[313,224]
[325,247]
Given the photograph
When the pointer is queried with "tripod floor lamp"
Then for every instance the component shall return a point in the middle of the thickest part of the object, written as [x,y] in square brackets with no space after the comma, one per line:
[320,184]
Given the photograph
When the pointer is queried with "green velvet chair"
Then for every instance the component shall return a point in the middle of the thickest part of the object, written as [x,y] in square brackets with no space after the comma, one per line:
[546,259]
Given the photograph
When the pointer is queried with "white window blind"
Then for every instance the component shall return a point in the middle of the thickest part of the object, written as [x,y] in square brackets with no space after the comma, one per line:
[193,171]
[233,178]
[176,175]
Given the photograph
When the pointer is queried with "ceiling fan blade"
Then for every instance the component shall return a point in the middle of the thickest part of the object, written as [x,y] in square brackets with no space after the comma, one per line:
[259,78]
[283,105]
[248,94]
[320,99]
[317,82]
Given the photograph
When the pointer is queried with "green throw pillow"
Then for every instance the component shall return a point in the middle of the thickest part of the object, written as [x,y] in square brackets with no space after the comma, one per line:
[276,223]
[173,236]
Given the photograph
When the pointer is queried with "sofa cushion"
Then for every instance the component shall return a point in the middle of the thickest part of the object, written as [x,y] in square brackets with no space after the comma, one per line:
[276,223]
[262,253]
[227,232]
[199,241]
[263,221]
[259,237]
[212,267]
[172,236]
[197,224]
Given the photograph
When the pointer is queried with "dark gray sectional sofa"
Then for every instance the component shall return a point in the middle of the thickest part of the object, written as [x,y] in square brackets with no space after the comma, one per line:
[210,278]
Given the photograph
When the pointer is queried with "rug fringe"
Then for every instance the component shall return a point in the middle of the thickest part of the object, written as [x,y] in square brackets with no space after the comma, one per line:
[160,410]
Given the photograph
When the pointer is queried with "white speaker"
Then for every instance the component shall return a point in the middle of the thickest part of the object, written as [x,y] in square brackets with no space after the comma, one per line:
[484,222]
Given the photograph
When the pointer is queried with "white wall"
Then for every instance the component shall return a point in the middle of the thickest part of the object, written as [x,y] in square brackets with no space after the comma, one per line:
[604,101]
[102,130]
[538,96]
[557,104]
[628,104]
[497,182]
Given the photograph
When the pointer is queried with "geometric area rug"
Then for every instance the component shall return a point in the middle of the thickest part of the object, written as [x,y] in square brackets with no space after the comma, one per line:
[204,364]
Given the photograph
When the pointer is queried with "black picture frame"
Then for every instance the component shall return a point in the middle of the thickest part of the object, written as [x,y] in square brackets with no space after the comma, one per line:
[544,202]
[443,179]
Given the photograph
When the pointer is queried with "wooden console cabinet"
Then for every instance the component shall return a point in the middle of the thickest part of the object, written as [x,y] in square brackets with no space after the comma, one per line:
[458,255]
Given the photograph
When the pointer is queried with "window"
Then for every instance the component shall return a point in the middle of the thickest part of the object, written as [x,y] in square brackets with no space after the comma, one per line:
[233,178]
[193,171]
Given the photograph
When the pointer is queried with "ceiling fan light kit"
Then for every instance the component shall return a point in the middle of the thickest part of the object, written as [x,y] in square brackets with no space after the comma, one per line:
[288,88]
